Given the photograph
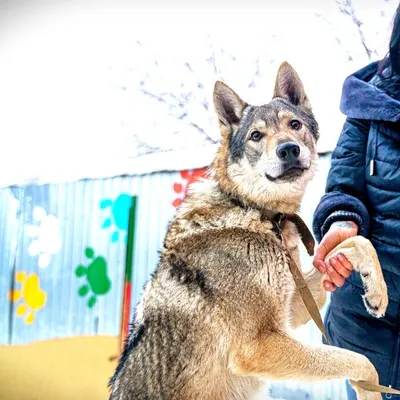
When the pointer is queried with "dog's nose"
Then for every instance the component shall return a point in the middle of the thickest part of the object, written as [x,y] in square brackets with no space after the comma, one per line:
[288,151]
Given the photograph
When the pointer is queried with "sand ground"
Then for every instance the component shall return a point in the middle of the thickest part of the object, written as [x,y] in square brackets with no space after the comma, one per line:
[64,369]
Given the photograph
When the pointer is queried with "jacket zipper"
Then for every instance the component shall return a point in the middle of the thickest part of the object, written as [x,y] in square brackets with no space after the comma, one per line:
[372,163]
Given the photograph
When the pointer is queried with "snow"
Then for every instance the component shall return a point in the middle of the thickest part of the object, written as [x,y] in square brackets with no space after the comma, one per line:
[96,89]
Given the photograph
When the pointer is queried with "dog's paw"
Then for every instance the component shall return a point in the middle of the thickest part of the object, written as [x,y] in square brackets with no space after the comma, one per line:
[376,298]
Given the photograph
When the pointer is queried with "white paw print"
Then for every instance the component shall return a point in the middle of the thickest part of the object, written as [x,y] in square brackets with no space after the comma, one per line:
[45,236]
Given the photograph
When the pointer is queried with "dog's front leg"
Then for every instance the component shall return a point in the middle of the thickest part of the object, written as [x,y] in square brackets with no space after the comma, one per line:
[278,356]
[362,255]
[299,312]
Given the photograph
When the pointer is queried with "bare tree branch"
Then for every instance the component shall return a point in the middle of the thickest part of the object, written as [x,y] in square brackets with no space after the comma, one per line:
[178,103]
[190,103]
[346,7]
[338,40]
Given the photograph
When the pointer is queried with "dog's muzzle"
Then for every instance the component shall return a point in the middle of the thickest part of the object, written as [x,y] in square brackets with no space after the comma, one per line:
[291,166]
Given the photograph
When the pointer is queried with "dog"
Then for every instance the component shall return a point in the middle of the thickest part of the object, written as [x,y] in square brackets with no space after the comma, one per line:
[217,315]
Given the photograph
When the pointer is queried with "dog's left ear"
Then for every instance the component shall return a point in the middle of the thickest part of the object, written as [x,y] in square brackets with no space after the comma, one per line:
[288,86]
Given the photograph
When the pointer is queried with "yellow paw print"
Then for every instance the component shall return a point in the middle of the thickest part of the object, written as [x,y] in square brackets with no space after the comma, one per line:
[33,297]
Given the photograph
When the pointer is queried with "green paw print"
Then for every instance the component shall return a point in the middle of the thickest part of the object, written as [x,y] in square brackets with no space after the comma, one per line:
[98,283]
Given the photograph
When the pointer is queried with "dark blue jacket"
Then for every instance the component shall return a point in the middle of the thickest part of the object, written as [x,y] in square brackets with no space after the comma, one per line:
[364,186]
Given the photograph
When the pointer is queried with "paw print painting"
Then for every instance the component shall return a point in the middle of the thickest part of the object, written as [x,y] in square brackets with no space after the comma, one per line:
[97,282]
[32,296]
[187,178]
[118,218]
[45,236]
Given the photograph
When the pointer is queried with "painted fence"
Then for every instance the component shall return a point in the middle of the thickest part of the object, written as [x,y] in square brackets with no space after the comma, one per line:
[62,257]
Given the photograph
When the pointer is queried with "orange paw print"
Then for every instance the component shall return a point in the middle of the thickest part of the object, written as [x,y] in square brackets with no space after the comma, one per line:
[188,177]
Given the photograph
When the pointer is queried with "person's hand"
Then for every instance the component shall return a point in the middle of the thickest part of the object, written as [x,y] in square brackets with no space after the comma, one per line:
[338,268]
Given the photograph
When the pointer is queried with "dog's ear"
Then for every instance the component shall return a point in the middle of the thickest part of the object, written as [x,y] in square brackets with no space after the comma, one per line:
[229,107]
[288,86]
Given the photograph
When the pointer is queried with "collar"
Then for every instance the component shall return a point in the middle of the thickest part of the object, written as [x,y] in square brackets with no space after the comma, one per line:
[278,218]
[277,222]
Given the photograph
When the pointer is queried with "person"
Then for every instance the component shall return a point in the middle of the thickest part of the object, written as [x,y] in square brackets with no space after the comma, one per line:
[363,198]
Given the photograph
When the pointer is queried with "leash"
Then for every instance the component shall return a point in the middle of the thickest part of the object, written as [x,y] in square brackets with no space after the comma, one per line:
[305,292]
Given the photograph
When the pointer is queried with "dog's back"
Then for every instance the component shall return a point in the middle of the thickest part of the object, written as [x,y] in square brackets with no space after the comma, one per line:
[189,314]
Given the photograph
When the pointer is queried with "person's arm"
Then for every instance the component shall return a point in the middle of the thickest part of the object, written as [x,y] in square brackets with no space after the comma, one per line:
[345,190]
[341,212]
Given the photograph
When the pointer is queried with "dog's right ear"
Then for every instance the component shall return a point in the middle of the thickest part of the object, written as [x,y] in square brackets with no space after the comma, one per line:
[289,86]
[229,107]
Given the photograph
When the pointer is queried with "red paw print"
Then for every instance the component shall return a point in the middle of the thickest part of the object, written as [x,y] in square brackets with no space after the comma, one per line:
[188,177]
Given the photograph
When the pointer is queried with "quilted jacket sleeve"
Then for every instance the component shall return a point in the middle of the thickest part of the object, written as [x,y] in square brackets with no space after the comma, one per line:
[345,190]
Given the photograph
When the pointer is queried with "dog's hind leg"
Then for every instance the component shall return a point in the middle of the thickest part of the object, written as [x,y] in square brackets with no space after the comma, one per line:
[362,255]
[278,356]
[299,314]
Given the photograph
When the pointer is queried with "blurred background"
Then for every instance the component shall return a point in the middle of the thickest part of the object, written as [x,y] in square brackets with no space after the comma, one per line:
[106,118]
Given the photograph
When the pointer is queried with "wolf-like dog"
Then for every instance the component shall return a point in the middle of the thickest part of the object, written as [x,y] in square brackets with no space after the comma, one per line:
[217,315]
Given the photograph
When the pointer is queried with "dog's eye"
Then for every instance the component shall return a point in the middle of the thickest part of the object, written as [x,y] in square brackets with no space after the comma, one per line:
[295,124]
[256,136]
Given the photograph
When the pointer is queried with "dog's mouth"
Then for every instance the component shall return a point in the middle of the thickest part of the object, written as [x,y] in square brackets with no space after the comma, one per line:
[289,175]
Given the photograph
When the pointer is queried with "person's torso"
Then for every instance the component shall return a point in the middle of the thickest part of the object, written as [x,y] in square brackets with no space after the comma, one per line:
[382,180]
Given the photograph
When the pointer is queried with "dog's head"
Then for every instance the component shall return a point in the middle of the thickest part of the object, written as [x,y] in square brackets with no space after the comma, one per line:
[268,153]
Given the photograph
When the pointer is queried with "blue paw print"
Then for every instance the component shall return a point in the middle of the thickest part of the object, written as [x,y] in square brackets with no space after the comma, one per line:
[119,217]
